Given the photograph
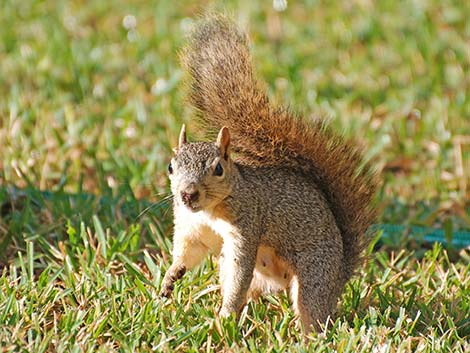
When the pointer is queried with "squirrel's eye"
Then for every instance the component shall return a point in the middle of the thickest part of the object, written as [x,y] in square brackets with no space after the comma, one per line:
[218,171]
[170,169]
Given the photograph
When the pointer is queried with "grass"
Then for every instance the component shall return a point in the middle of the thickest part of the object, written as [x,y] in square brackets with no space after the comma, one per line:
[91,106]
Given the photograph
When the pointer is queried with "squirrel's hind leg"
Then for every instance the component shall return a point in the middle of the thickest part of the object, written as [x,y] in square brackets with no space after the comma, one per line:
[314,290]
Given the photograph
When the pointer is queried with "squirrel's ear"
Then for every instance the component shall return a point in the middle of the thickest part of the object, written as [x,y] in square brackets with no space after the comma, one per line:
[182,140]
[223,141]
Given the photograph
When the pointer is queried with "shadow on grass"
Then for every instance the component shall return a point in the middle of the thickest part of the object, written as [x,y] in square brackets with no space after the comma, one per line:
[26,214]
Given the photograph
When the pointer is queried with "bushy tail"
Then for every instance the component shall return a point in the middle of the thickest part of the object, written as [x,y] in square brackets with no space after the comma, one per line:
[225,92]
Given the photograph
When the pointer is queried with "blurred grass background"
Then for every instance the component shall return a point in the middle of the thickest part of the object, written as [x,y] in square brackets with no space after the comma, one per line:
[91,102]
[87,83]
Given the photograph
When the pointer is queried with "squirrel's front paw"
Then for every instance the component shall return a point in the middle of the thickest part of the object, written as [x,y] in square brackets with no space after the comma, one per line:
[167,289]
[174,273]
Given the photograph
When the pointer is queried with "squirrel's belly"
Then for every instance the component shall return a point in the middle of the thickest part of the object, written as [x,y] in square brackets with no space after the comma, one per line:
[271,274]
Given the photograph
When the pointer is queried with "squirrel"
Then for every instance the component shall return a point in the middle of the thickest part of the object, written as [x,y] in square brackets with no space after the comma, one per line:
[284,202]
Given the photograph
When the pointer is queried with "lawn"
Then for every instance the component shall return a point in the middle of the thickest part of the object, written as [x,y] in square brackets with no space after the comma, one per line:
[91,102]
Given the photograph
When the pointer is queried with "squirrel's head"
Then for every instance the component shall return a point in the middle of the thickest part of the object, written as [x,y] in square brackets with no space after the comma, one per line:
[200,172]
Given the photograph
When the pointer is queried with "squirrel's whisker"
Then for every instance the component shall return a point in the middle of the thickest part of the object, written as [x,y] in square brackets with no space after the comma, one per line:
[158,203]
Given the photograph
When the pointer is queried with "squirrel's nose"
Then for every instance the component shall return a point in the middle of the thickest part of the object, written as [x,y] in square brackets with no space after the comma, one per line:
[189,197]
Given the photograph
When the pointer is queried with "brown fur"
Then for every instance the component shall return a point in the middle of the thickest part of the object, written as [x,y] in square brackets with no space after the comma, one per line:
[290,211]
[224,90]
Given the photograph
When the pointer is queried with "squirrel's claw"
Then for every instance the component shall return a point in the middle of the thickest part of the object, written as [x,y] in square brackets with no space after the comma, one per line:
[166,290]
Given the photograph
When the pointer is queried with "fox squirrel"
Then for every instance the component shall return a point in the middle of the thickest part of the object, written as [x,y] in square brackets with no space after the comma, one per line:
[287,209]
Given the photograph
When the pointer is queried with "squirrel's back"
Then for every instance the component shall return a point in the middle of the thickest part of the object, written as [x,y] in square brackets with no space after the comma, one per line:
[225,92]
